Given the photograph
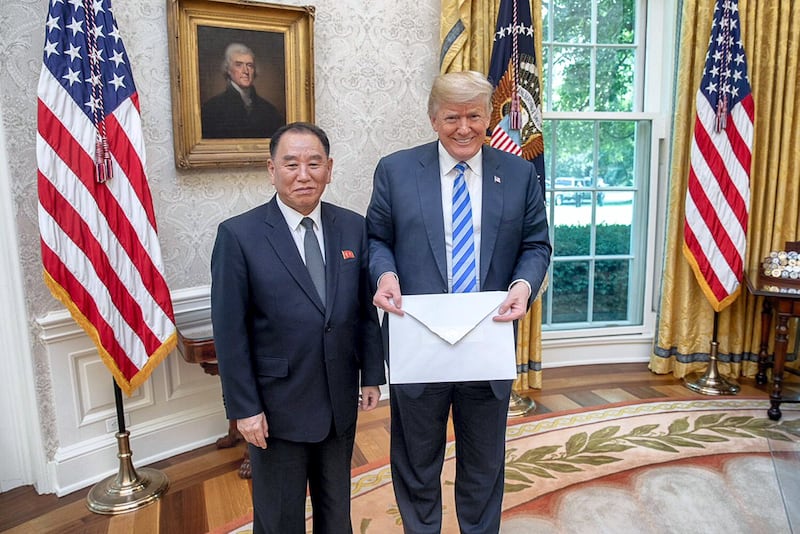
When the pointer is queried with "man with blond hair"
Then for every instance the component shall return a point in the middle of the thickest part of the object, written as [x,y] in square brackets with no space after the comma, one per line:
[427,202]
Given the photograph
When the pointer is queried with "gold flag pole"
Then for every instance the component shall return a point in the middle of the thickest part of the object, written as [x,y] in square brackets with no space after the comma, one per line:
[127,490]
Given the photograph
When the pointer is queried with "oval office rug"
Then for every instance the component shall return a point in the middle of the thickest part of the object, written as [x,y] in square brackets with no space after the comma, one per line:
[677,466]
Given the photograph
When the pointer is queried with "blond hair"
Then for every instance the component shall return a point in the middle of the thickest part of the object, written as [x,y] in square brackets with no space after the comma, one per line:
[459,88]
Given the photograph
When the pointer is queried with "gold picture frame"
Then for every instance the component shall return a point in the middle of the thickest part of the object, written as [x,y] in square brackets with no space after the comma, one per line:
[281,41]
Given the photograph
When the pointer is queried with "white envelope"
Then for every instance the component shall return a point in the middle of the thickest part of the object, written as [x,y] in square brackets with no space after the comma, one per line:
[451,337]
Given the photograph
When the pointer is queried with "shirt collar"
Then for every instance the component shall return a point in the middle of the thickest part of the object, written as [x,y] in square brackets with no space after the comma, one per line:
[447,162]
[293,217]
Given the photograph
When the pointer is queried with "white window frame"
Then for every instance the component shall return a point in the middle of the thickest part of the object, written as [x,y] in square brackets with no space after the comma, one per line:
[659,57]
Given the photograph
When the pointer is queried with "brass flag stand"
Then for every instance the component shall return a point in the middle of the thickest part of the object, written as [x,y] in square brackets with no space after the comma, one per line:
[711,383]
[127,490]
[519,406]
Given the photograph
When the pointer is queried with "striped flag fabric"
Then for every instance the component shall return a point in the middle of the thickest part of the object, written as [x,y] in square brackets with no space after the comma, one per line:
[516,122]
[718,195]
[100,250]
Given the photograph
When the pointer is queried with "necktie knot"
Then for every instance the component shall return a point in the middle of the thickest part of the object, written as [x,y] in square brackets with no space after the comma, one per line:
[307,223]
[460,168]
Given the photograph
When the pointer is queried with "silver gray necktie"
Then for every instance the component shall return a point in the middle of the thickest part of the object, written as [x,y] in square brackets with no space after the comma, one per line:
[314,262]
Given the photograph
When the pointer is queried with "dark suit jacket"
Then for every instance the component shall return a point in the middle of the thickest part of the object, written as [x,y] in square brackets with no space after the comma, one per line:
[224,116]
[279,350]
[406,225]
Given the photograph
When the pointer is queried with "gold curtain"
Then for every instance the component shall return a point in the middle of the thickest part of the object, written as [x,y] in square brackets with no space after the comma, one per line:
[771,36]
[467,32]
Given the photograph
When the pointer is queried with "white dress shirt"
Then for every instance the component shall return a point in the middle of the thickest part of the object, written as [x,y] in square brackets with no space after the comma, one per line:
[472,176]
[293,219]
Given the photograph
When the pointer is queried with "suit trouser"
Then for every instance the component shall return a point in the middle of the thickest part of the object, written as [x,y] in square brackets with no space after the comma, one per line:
[418,439]
[283,470]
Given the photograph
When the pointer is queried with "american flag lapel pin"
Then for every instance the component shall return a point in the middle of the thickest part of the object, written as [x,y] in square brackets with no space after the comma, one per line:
[348,255]
[497,179]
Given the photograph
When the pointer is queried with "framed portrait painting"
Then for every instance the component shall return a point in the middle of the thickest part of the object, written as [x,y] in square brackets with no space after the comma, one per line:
[239,70]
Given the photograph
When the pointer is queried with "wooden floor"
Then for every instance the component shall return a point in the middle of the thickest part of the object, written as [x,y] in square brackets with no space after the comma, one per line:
[205,491]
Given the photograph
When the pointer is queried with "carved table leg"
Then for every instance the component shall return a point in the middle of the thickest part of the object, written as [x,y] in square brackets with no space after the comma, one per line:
[766,323]
[244,469]
[781,342]
[231,439]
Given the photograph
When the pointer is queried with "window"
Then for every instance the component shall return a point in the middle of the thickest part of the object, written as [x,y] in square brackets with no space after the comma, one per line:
[600,156]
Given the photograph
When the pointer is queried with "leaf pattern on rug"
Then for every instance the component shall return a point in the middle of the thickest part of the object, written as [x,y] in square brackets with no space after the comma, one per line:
[582,450]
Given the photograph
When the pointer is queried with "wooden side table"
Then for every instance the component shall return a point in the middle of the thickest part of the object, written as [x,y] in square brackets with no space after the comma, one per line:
[784,299]
[196,345]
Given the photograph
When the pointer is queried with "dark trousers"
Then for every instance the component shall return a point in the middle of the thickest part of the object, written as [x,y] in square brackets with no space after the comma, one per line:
[283,471]
[418,439]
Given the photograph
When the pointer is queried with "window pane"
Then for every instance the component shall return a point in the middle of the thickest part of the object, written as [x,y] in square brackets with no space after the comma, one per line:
[611,290]
[570,238]
[614,79]
[570,291]
[571,79]
[615,21]
[617,149]
[574,145]
[614,238]
[572,21]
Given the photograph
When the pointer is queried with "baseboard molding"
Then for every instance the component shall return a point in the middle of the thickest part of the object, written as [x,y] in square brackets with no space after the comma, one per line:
[596,351]
[91,461]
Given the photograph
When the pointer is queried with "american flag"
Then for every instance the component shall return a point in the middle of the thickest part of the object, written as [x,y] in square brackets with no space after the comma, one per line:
[100,250]
[516,123]
[718,197]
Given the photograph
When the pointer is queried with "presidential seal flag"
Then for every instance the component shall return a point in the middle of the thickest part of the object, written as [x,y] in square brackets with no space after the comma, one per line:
[718,196]
[516,122]
[100,250]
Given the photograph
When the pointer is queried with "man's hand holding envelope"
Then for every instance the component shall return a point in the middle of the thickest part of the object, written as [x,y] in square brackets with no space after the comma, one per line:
[452,337]
[389,299]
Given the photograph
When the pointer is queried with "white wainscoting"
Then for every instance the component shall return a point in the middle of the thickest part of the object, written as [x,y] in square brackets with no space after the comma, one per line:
[178,409]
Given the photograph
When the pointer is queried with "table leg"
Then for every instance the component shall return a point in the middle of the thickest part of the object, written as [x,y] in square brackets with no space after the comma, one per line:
[231,438]
[763,355]
[244,469]
[781,343]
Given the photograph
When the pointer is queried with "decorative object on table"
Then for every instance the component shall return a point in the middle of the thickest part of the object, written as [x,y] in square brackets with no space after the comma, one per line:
[784,267]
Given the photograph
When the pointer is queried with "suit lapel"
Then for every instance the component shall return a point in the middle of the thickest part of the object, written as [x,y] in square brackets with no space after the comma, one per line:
[430,195]
[333,241]
[491,208]
[280,238]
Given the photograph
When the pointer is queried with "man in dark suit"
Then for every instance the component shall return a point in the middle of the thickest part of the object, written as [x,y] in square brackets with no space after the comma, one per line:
[239,111]
[411,226]
[292,340]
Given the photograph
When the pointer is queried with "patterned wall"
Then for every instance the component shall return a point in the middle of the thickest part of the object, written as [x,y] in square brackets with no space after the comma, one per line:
[373,69]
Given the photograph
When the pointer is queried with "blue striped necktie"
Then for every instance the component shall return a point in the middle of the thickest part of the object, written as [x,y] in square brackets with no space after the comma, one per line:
[464,275]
